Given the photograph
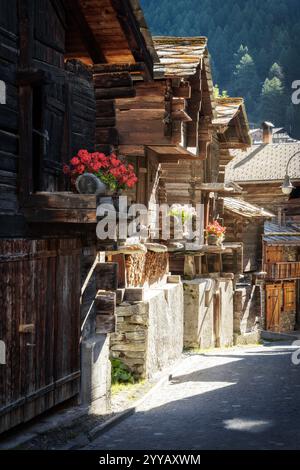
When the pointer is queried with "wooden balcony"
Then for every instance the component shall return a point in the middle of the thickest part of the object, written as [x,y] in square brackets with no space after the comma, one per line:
[283,270]
[61,207]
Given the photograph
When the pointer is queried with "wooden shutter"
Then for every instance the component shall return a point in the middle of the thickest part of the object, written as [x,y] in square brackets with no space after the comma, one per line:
[53,124]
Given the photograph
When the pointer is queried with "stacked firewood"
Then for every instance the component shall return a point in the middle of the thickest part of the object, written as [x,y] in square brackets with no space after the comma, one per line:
[146,268]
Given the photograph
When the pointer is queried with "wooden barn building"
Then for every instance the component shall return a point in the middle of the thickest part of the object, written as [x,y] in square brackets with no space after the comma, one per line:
[53,54]
[260,171]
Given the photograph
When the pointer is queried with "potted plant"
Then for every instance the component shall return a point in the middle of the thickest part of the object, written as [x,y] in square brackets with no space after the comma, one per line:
[215,233]
[97,173]
[180,216]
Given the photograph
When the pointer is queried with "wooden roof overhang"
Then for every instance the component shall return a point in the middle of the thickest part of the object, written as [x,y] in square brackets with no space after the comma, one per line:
[245,209]
[186,59]
[112,32]
[171,153]
[232,124]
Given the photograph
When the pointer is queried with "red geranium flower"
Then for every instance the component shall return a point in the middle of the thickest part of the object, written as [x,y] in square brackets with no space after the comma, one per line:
[114,171]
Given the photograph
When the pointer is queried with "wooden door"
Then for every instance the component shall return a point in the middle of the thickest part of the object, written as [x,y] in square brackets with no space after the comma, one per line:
[273,306]
[289,297]
[40,326]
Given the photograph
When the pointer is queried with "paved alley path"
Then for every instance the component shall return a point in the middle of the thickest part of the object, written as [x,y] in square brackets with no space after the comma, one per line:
[230,399]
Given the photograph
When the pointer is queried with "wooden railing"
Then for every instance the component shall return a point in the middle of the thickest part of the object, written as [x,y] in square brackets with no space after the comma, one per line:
[283,270]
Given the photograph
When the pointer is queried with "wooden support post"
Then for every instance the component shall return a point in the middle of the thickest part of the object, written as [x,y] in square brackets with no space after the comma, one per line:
[120,259]
[105,306]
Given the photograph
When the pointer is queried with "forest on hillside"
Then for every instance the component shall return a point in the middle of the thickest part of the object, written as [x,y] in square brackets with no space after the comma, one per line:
[254,47]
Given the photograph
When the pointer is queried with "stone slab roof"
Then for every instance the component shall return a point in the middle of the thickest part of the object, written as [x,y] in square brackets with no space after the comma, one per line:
[263,162]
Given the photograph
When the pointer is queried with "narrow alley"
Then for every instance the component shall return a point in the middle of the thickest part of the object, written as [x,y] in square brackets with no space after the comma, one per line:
[240,398]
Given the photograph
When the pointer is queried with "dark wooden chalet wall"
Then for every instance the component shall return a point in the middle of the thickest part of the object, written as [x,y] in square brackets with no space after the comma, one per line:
[8,113]
[63,106]
[42,266]
[267,195]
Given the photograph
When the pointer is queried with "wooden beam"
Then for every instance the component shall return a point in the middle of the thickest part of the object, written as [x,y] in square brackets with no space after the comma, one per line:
[107,276]
[180,116]
[57,216]
[74,8]
[112,80]
[61,200]
[233,145]
[118,68]
[116,92]
[32,77]
[133,34]
[183,91]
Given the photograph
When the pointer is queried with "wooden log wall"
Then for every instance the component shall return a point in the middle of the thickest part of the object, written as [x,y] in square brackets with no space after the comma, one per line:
[9,133]
[82,108]
[49,112]
[266,194]
[109,87]
[249,232]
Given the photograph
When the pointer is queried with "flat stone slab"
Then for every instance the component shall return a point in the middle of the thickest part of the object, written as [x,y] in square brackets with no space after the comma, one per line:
[156,247]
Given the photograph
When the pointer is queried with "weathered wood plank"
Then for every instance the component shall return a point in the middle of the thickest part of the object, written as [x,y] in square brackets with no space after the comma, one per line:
[115,92]
[112,80]
[107,276]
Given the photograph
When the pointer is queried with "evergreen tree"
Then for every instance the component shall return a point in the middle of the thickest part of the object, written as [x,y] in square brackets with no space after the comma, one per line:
[276,71]
[272,101]
[246,81]
[269,32]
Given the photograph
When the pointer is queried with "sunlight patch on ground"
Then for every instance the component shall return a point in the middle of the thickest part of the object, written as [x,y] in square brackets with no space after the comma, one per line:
[247,425]
[182,393]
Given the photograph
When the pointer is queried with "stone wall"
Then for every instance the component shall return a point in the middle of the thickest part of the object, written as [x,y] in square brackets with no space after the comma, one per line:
[226,294]
[287,321]
[96,372]
[198,314]
[199,305]
[247,307]
[149,334]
